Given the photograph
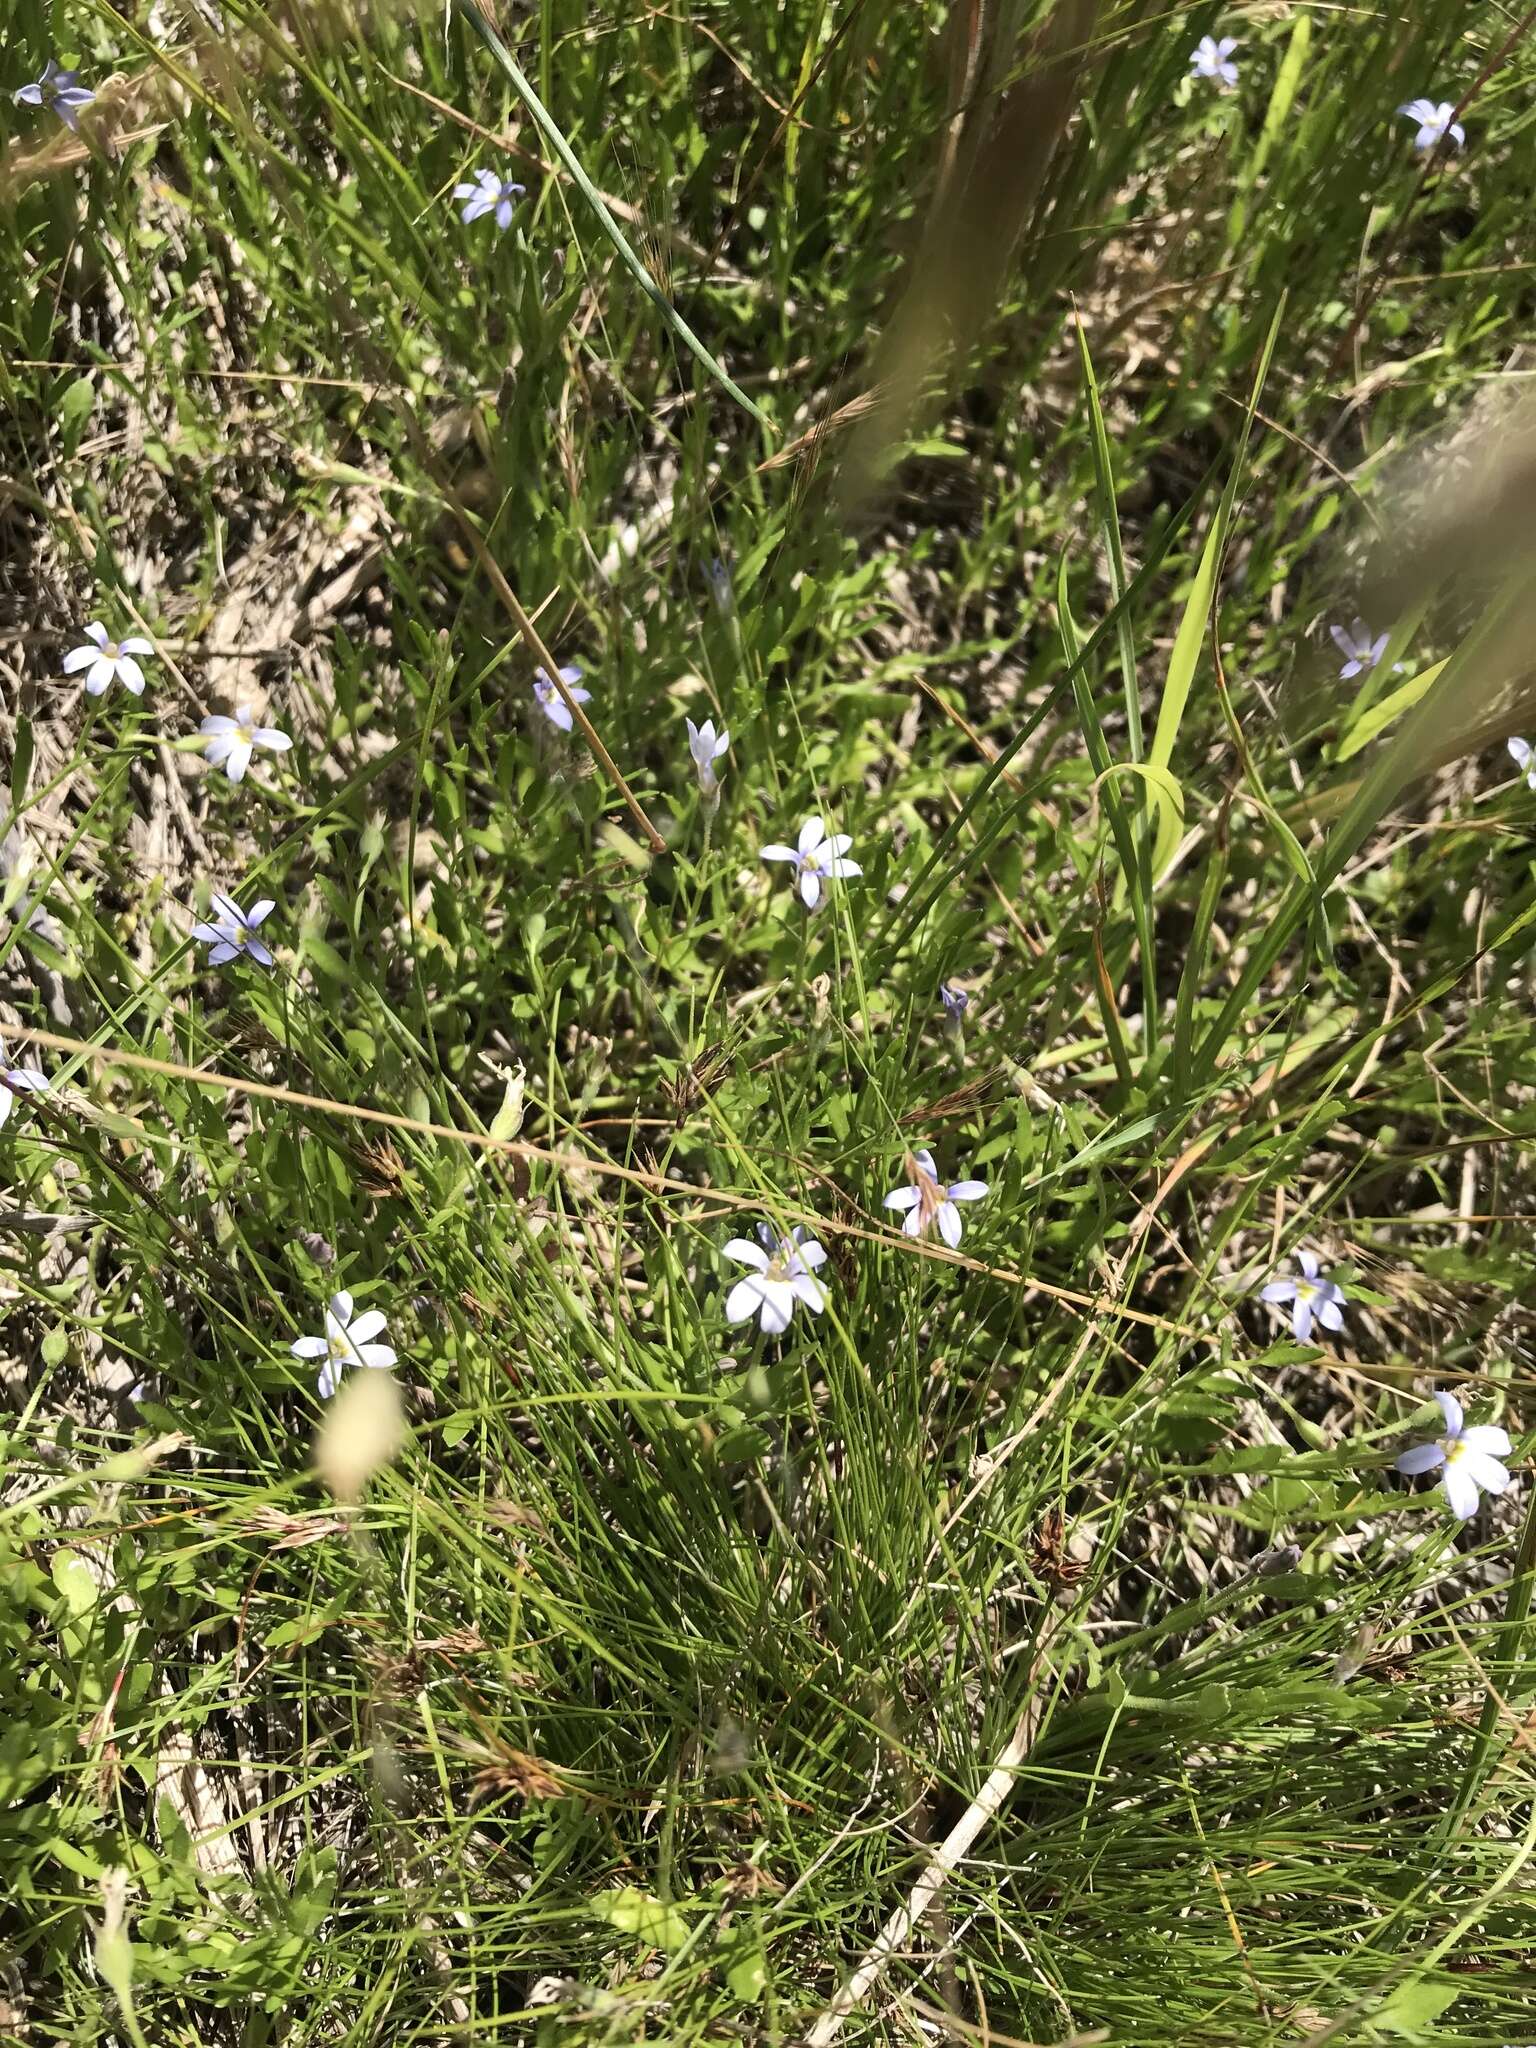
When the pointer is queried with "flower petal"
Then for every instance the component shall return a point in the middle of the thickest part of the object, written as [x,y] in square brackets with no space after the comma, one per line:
[812,1254]
[367,1325]
[1451,1409]
[950,1228]
[967,1190]
[309,1347]
[1330,1315]
[1422,1458]
[810,888]
[1484,1471]
[812,833]
[237,757]
[1487,1439]
[903,1198]
[778,1305]
[99,678]
[1460,1490]
[136,644]
[777,852]
[380,1357]
[79,658]
[746,1253]
[809,1291]
[130,675]
[743,1299]
[340,1307]
[1278,1290]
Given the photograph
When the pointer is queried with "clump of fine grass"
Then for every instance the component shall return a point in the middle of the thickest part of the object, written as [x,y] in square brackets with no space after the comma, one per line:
[987,444]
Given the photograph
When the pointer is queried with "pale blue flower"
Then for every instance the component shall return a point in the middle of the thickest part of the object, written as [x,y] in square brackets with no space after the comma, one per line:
[348,1340]
[106,660]
[956,1002]
[927,1200]
[1360,651]
[1313,1297]
[232,741]
[487,193]
[706,746]
[57,91]
[232,931]
[816,858]
[1213,59]
[1470,1458]
[1521,753]
[551,703]
[782,1273]
[1435,123]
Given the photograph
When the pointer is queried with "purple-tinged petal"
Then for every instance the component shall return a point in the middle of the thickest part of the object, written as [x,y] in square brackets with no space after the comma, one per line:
[1422,1458]
[1451,1409]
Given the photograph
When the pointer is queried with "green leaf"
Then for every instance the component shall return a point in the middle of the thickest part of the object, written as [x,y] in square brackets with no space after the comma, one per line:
[632,1911]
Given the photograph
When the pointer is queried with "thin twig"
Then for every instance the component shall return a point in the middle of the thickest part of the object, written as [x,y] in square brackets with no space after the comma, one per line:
[581,1162]
[952,1851]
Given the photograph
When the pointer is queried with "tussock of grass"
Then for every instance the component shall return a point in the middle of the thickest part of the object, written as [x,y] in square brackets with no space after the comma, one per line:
[982,420]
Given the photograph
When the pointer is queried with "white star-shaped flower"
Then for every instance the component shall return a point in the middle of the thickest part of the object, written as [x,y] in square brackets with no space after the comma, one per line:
[927,1200]
[1470,1458]
[783,1269]
[1435,123]
[232,741]
[1213,59]
[1313,1296]
[1520,753]
[817,859]
[105,659]
[232,931]
[348,1340]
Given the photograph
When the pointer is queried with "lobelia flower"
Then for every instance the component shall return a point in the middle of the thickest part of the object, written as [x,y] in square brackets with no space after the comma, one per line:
[486,193]
[1435,123]
[232,931]
[782,1275]
[348,1340]
[706,747]
[956,1002]
[817,858]
[1470,1457]
[1314,1298]
[551,703]
[719,578]
[16,1081]
[1357,647]
[232,741]
[104,659]
[1521,753]
[926,1200]
[58,92]
[1212,59]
